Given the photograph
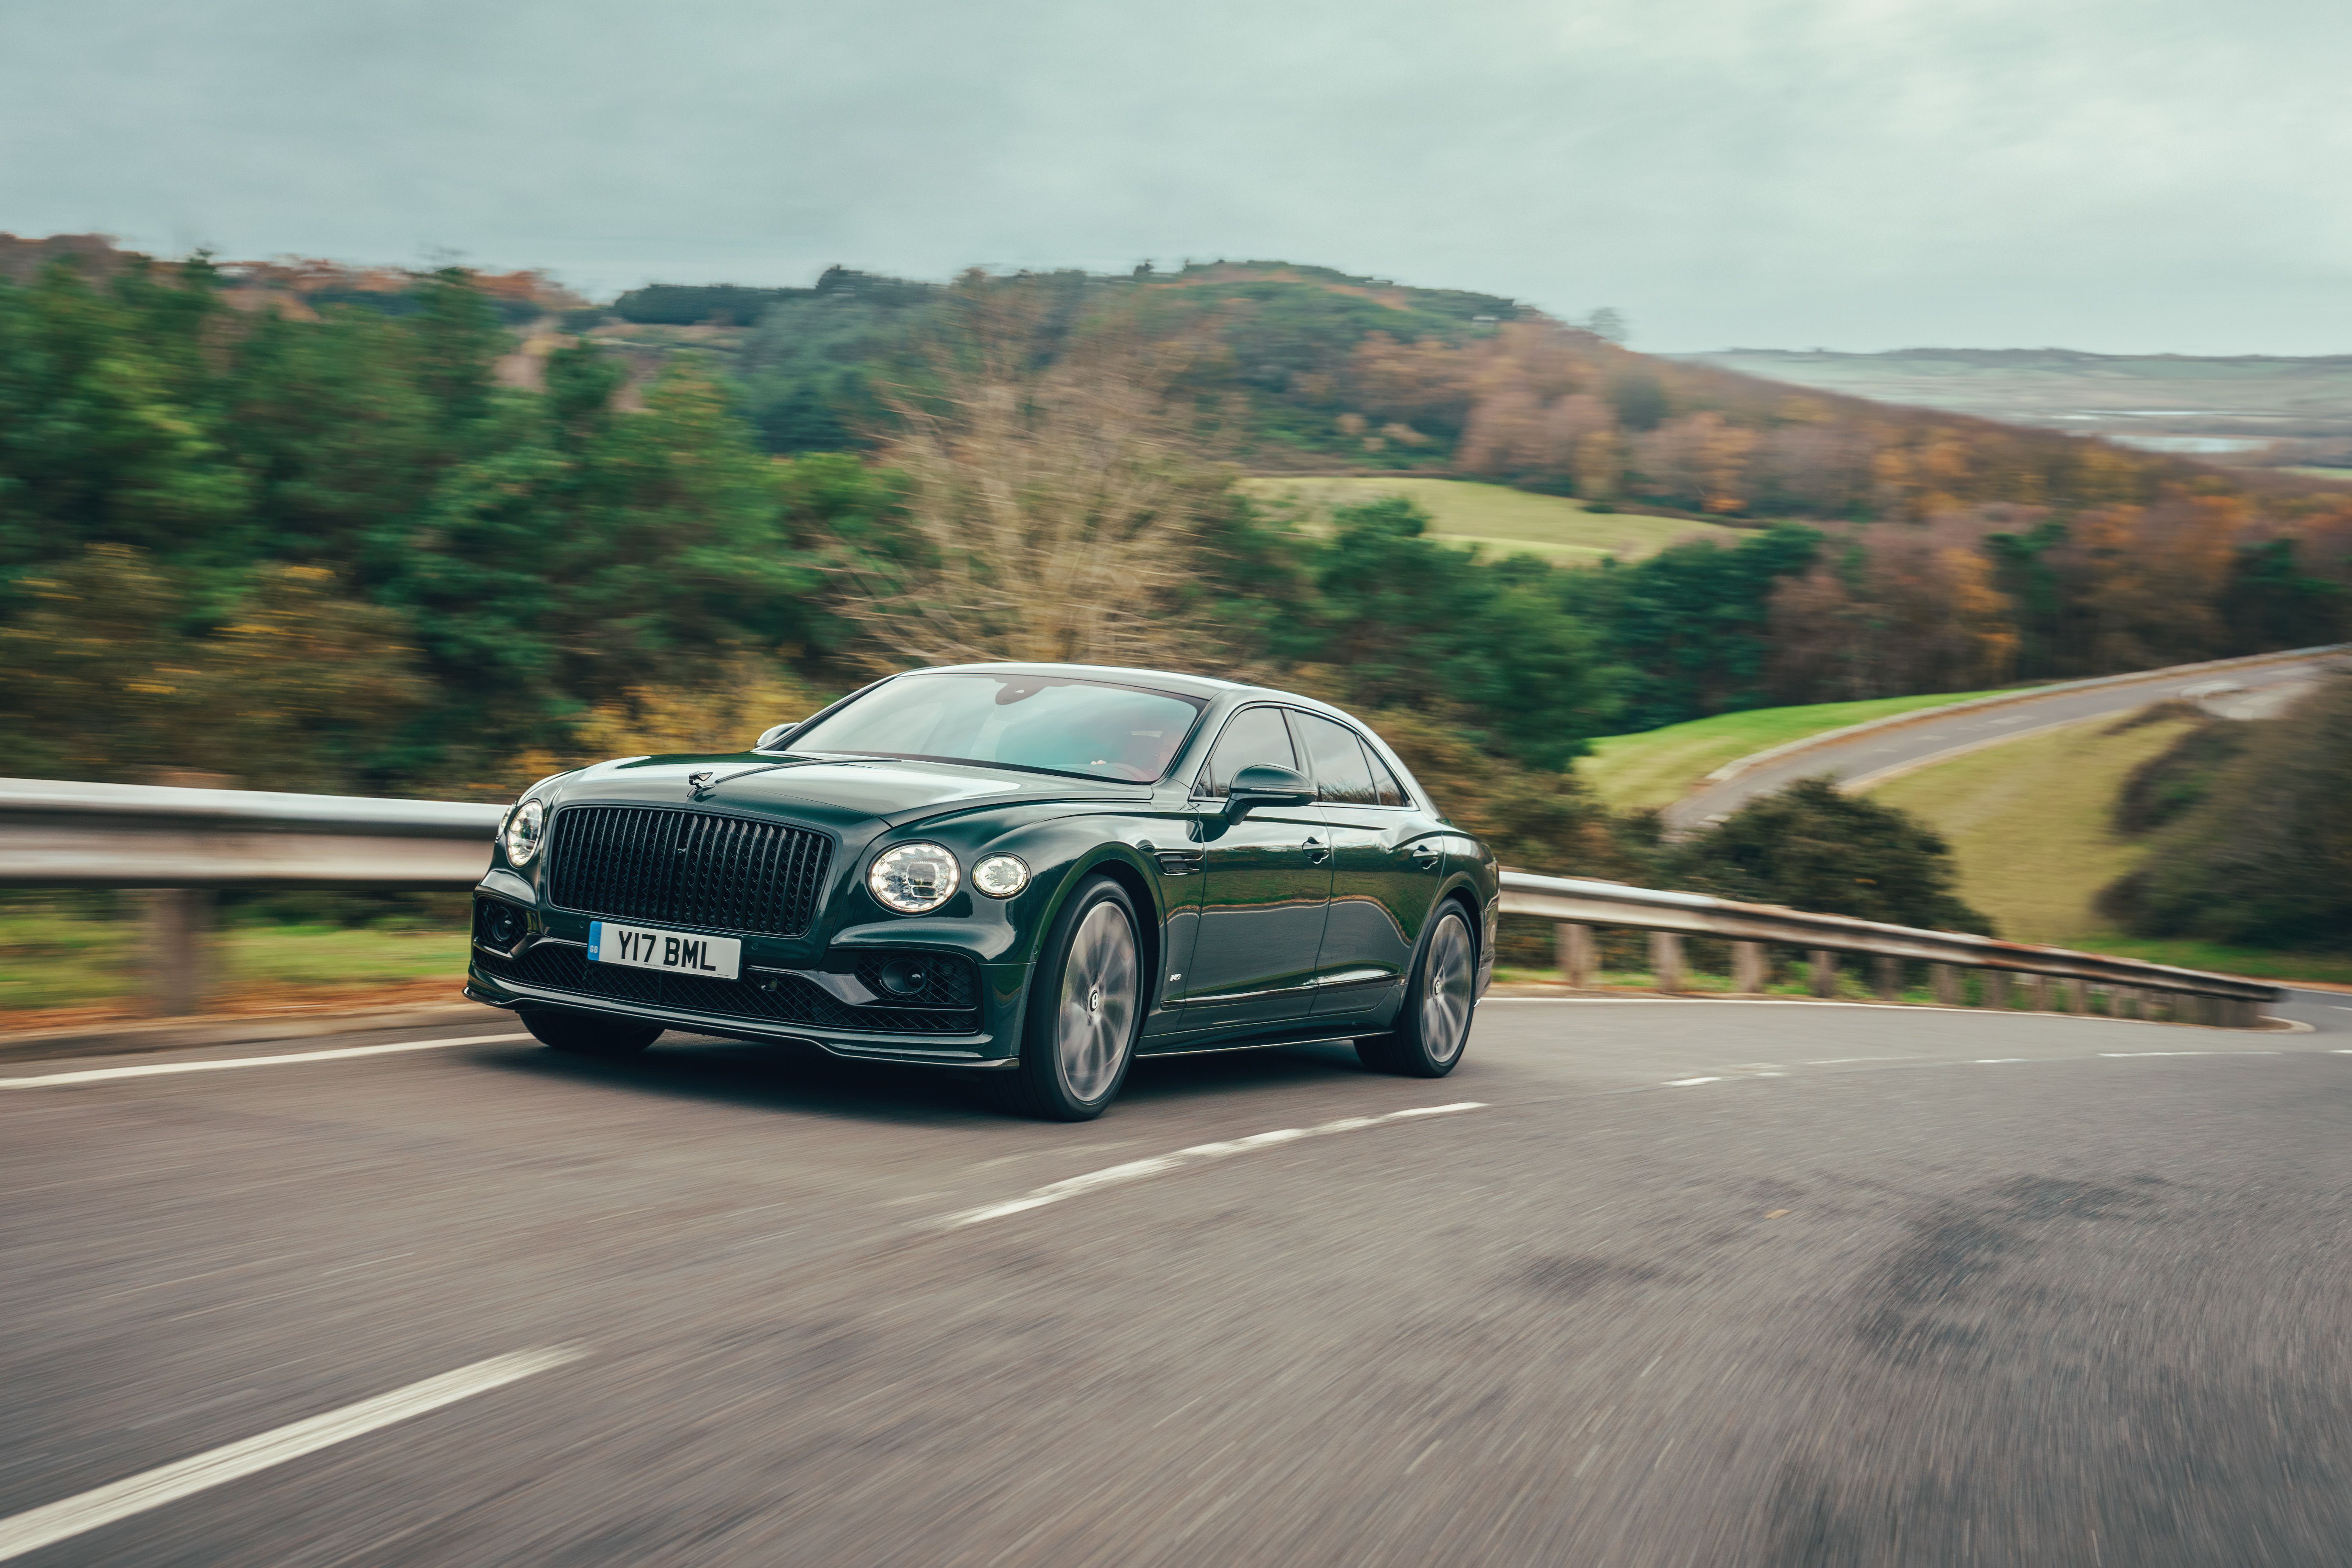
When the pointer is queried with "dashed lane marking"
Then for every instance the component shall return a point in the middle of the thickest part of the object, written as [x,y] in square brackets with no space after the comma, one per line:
[31,1531]
[160,1070]
[2188,1053]
[1686,1083]
[1137,1170]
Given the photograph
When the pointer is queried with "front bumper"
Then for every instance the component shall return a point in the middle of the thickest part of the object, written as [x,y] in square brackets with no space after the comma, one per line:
[969,1014]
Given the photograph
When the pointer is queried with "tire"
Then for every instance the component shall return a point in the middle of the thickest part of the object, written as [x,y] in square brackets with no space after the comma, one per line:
[1086,1008]
[1434,1023]
[589,1033]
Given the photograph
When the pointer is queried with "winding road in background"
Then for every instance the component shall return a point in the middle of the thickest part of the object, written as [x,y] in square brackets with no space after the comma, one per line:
[1645,1283]
[1931,736]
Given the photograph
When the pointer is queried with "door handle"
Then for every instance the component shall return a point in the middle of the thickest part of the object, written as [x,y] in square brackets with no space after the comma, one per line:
[1316,851]
[1424,855]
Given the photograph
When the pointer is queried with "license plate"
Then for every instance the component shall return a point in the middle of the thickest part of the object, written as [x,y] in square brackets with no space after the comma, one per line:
[643,947]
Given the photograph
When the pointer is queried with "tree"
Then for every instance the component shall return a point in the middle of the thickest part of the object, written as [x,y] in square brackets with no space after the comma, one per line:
[1051,508]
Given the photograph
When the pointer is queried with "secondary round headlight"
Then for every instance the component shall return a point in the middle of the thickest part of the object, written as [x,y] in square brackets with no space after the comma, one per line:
[914,879]
[1001,876]
[526,830]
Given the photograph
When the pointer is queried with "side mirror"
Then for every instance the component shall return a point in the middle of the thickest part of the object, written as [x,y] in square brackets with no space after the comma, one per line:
[1263,783]
[774,733]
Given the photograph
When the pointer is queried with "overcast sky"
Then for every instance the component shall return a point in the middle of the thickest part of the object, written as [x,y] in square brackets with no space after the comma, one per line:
[2110,174]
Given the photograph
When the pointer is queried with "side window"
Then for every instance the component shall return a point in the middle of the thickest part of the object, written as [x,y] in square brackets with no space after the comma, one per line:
[1384,779]
[1255,735]
[1342,776]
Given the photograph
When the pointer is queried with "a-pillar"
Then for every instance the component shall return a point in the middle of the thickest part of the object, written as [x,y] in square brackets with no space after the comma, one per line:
[1666,960]
[179,949]
[1574,945]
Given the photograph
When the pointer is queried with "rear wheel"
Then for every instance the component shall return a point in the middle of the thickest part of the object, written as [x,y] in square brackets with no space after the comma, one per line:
[1434,1023]
[590,1035]
[1086,1008]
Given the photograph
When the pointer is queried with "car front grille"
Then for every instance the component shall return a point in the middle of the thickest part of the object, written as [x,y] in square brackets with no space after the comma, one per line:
[686,867]
[768,998]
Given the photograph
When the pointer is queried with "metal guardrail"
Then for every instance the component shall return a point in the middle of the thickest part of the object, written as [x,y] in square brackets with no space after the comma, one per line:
[58,833]
[2057,976]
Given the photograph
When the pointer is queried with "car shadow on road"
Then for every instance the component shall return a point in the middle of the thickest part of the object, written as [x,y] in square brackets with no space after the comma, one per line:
[809,1082]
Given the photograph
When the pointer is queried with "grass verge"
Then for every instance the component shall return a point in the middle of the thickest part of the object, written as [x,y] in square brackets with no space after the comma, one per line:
[1504,521]
[54,958]
[2028,823]
[1658,767]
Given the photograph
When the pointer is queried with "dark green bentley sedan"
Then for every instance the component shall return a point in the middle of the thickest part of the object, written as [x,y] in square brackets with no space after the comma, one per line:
[1036,870]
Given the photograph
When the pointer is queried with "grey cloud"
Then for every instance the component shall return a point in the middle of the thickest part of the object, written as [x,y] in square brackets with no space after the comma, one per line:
[2104,173]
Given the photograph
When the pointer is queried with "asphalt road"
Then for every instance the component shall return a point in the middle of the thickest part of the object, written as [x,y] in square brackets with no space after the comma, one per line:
[1697,1283]
[1931,740]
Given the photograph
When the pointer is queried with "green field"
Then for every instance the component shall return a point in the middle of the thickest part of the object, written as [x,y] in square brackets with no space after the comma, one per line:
[1658,767]
[62,958]
[1504,521]
[2028,825]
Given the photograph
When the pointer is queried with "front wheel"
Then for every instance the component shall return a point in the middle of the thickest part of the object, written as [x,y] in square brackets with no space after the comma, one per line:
[590,1035]
[1434,1023]
[1086,1008]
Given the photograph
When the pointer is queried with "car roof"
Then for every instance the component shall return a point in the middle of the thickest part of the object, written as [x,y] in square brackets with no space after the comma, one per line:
[1206,686]
[1166,680]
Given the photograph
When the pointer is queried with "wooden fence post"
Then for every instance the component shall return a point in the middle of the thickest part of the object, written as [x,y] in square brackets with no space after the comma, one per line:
[1666,960]
[1574,945]
[2078,996]
[1825,975]
[1886,972]
[1996,989]
[1748,968]
[1948,986]
[179,949]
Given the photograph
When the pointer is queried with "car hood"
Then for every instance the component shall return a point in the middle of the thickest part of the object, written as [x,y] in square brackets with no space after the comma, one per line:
[830,791]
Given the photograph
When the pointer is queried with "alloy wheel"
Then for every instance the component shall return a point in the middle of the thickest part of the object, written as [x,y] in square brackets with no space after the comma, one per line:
[1096,1018]
[1445,991]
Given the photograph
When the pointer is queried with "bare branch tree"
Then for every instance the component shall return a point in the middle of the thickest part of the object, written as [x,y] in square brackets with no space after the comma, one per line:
[1051,499]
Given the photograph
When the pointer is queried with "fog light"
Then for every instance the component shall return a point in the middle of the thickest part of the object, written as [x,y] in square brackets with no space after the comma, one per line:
[904,976]
[503,924]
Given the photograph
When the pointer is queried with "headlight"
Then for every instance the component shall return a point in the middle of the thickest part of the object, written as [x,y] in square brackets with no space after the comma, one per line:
[914,879]
[526,830]
[1001,876]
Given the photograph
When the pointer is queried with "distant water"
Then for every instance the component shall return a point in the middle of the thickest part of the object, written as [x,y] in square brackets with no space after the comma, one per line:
[2188,443]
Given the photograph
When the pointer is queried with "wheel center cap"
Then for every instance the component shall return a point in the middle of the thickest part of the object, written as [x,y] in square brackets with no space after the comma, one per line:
[1094,1000]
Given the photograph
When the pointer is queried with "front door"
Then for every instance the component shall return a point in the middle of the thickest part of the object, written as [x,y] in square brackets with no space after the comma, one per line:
[1268,879]
[1386,867]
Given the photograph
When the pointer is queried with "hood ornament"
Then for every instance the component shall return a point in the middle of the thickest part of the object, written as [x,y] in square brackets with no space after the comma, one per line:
[698,785]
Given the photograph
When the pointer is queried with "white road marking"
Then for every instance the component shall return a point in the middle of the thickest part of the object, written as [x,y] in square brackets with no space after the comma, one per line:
[2188,1053]
[39,1527]
[1136,1170]
[159,1069]
[1993,1061]
[1686,1083]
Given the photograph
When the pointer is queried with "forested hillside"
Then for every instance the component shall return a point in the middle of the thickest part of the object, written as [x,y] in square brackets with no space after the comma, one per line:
[340,538]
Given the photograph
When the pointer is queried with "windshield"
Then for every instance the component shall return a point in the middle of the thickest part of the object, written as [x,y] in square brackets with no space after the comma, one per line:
[1046,722]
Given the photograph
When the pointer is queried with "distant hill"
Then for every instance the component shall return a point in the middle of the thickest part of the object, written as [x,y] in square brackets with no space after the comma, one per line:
[2221,407]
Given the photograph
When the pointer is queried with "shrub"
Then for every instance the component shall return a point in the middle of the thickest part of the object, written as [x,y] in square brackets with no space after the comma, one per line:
[1811,847]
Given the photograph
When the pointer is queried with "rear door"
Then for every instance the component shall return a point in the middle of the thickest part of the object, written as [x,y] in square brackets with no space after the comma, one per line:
[1385,870]
[1268,880]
